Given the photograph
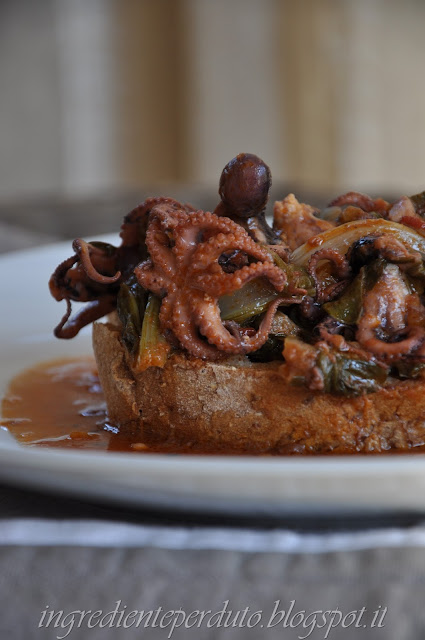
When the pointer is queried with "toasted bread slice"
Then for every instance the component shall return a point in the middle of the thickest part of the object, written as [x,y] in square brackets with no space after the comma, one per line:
[238,406]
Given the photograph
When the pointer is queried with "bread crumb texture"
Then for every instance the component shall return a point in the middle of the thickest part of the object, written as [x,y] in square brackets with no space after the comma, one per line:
[236,405]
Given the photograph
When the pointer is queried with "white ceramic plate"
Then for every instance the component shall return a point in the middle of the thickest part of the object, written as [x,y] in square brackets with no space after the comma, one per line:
[234,485]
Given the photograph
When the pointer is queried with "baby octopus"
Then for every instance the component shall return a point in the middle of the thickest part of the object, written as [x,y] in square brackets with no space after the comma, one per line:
[189,258]
[94,273]
[184,269]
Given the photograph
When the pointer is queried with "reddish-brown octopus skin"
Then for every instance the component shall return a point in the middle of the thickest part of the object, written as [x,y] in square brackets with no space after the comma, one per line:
[93,274]
[244,185]
[190,279]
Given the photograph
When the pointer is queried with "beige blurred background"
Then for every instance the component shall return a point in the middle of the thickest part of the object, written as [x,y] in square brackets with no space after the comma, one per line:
[117,96]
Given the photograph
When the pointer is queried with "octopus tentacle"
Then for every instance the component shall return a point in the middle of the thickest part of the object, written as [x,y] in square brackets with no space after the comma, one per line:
[210,325]
[93,311]
[220,284]
[209,252]
[186,332]
[139,216]
[341,266]
[389,306]
[206,273]
[360,200]
[200,226]
[58,329]
[85,251]
[57,283]
[366,336]
[160,251]
[149,278]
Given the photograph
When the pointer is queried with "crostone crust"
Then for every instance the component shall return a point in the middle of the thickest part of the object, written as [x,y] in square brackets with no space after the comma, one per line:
[239,406]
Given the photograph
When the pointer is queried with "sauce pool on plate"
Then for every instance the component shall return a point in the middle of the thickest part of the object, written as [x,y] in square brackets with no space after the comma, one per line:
[61,404]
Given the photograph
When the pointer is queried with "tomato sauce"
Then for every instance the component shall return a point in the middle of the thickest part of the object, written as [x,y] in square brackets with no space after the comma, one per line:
[61,405]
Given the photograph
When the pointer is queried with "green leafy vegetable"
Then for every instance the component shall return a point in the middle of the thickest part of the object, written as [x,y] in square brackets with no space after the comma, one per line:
[297,276]
[248,301]
[131,307]
[153,347]
[348,307]
[350,376]
[410,369]
[254,297]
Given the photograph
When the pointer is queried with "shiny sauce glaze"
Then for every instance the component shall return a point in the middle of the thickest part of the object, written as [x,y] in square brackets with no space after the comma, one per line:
[61,405]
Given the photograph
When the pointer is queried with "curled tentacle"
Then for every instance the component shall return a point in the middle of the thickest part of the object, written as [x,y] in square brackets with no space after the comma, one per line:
[87,253]
[158,243]
[208,253]
[198,228]
[367,337]
[392,321]
[68,328]
[361,200]
[187,332]
[206,273]
[57,331]
[58,284]
[220,284]
[210,325]
[341,267]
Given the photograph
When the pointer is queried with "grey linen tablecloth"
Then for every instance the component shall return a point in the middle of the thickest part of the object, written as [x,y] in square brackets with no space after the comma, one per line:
[59,555]
[61,558]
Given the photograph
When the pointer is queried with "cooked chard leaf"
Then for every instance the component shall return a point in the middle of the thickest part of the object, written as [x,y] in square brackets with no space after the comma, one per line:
[297,276]
[248,301]
[131,307]
[254,297]
[153,347]
[344,374]
[348,307]
[410,369]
